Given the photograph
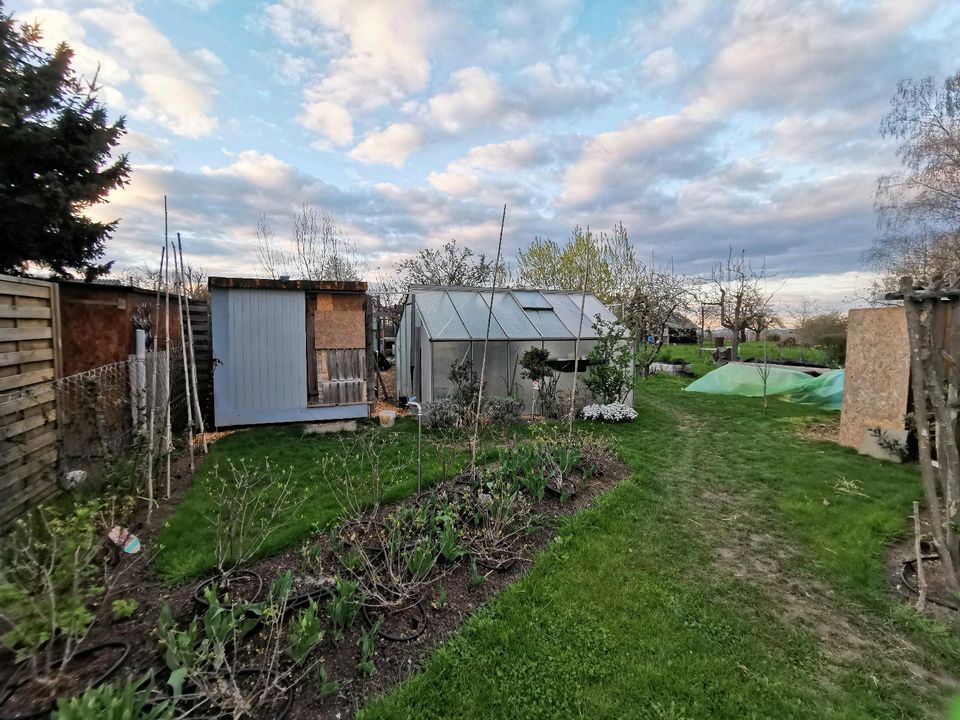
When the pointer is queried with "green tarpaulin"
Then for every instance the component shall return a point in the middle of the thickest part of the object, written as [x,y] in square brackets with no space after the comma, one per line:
[825,391]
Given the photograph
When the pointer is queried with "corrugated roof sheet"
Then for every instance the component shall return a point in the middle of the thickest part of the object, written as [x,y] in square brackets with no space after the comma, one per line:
[461,313]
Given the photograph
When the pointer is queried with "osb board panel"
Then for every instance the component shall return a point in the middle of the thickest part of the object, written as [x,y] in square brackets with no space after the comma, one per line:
[339,322]
[877,377]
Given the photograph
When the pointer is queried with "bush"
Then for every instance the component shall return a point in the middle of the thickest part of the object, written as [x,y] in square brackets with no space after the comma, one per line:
[773,337]
[611,412]
[608,374]
[835,348]
[503,409]
[442,413]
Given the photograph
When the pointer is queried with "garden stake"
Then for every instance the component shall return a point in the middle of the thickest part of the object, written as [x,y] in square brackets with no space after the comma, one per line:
[921,579]
[193,360]
[576,346]
[178,273]
[483,364]
[166,345]
[152,405]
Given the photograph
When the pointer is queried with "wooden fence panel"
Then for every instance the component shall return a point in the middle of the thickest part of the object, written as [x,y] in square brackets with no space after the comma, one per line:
[29,360]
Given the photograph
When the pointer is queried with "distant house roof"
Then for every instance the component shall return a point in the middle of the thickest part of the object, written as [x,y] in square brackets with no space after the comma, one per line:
[460,313]
[271,284]
[679,322]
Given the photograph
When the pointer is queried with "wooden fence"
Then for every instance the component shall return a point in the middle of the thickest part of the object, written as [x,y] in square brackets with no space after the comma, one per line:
[29,360]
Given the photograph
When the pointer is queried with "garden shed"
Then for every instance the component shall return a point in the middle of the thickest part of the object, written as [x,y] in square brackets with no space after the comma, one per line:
[289,350]
[442,326]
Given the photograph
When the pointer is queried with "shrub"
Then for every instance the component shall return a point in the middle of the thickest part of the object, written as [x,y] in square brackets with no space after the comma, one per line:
[773,337]
[611,412]
[608,373]
[503,409]
[835,348]
[443,412]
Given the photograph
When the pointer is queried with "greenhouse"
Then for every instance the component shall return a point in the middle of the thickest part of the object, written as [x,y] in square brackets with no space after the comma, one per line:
[443,326]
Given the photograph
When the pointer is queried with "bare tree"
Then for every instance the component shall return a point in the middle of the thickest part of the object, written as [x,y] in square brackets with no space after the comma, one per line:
[737,289]
[318,249]
[918,208]
[659,296]
[143,276]
[449,266]
[803,310]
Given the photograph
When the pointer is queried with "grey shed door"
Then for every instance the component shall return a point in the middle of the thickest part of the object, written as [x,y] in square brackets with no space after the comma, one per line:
[260,341]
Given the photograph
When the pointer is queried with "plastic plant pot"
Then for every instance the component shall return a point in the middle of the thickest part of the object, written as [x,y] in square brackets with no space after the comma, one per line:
[412,621]
[235,577]
[43,711]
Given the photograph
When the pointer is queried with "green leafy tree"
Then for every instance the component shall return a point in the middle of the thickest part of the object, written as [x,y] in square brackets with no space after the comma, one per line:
[609,375]
[57,143]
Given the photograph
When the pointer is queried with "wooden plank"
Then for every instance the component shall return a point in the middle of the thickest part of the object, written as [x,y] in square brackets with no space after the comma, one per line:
[31,496]
[27,333]
[28,399]
[23,379]
[25,356]
[23,286]
[41,463]
[20,451]
[22,426]
[25,311]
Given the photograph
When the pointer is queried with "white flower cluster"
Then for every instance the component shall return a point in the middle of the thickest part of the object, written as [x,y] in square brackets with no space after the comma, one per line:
[614,412]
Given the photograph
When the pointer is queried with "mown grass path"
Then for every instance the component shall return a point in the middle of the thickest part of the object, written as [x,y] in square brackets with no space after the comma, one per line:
[732,575]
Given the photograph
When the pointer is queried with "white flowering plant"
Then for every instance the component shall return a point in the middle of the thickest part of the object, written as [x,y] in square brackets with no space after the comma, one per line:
[611,412]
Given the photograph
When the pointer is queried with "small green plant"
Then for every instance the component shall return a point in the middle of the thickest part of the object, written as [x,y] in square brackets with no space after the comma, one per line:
[123,608]
[450,547]
[421,559]
[344,605]
[327,686]
[441,600]
[476,579]
[130,701]
[304,633]
[367,645]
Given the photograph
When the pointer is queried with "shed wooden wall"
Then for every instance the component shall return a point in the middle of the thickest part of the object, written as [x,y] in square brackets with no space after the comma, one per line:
[29,360]
[877,373]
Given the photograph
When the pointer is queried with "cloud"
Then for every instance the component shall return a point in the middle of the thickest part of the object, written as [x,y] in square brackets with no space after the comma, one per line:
[454,183]
[661,66]
[775,55]
[474,101]
[389,146]
[644,150]
[508,158]
[140,70]
[330,120]
[375,52]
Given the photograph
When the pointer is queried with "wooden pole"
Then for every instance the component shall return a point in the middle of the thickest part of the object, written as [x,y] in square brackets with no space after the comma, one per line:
[168,440]
[152,406]
[921,578]
[486,339]
[178,273]
[576,346]
[193,358]
[928,475]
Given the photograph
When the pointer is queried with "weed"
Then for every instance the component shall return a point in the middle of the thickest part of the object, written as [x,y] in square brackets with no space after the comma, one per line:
[344,604]
[367,645]
[123,608]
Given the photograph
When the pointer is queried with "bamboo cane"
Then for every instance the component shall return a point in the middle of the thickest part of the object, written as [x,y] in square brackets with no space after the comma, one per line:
[168,444]
[152,405]
[193,359]
[178,273]
[486,340]
[576,346]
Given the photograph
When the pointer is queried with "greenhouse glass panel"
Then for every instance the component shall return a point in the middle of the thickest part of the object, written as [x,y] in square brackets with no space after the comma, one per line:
[569,313]
[439,315]
[548,324]
[445,354]
[498,371]
[593,307]
[512,318]
[474,310]
[531,300]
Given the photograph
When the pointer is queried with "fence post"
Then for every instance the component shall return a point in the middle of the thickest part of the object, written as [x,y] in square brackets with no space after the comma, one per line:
[138,380]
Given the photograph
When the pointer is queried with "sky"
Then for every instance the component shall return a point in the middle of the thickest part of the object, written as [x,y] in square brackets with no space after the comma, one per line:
[750,124]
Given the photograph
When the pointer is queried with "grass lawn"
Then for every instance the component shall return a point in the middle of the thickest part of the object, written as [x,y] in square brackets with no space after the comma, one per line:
[732,575]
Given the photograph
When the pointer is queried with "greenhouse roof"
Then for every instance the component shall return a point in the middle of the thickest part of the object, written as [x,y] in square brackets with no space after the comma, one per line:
[461,313]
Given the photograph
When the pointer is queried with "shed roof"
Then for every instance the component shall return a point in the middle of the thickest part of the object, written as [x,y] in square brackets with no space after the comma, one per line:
[460,313]
[271,284]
